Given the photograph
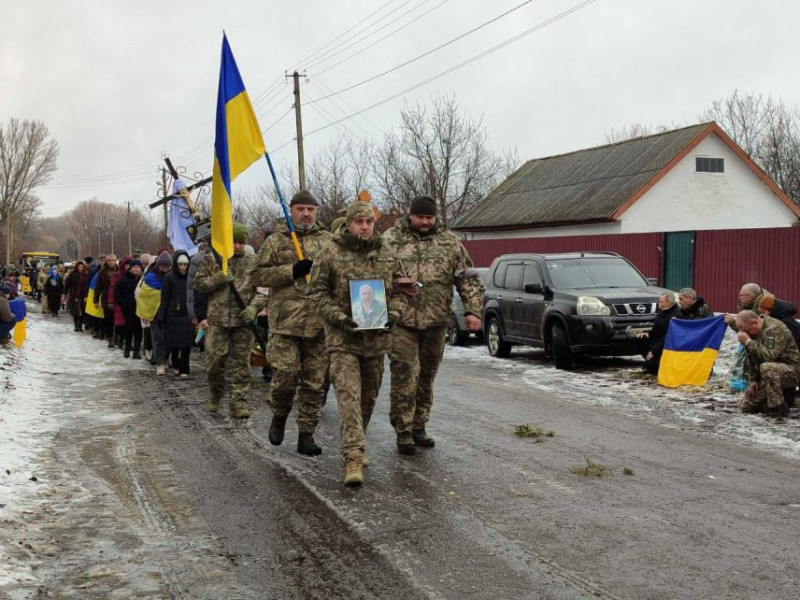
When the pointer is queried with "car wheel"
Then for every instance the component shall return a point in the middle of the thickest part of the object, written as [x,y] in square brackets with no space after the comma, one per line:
[494,340]
[562,355]
[455,337]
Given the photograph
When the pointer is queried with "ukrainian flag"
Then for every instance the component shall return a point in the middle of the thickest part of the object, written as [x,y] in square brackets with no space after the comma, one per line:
[690,349]
[238,144]
[91,309]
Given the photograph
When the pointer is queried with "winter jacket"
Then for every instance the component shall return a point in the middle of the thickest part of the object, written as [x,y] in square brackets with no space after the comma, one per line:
[774,343]
[349,258]
[698,310]
[74,286]
[125,298]
[223,309]
[290,308]
[104,286]
[659,331]
[173,313]
[119,320]
[54,287]
[439,261]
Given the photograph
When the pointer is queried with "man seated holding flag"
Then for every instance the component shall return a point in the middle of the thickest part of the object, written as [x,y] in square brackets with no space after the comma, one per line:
[774,362]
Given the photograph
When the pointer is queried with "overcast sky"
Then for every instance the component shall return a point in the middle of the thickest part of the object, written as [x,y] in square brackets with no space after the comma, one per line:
[118,83]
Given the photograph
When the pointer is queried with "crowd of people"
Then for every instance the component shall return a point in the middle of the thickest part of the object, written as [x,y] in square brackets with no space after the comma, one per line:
[160,306]
[354,297]
[768,330]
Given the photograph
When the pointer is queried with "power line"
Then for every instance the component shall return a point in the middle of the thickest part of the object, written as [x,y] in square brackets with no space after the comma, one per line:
[379,40]
[462,64]
[429,52]
[339,49]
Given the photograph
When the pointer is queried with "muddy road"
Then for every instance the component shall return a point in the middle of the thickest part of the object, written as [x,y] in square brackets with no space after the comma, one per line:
[117,484]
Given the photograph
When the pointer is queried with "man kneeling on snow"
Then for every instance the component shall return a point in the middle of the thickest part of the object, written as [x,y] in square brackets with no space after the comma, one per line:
[774,362]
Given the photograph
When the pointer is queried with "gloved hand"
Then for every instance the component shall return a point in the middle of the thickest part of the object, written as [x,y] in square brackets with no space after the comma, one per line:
[248,315]
[223,279]
[302,268]
[391,320]
[346,323]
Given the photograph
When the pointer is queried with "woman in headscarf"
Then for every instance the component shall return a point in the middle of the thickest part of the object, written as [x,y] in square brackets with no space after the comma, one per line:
[73,289]
[52,290]
[173,315]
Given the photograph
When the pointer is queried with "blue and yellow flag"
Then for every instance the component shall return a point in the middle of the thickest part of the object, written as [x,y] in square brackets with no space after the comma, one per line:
[690,349]
[92,309]
[238,144]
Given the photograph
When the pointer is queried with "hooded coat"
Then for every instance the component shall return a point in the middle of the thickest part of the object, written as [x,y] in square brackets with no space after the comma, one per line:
[173,311]
[74,288]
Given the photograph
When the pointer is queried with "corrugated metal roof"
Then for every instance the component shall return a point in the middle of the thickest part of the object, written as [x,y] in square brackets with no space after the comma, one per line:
[583,186]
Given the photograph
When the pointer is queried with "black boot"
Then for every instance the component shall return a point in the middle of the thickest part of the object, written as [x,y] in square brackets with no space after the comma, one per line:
[788,396]
[421,438]
[276,429]
[306,444]
[405,443]
[776,412]
[136,354]
[127,353]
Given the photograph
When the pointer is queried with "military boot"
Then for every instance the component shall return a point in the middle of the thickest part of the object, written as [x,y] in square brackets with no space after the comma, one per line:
[777,412]
[239,410]
[213,406]
[276,429]
[788,396]
[405,443]
[353,471]
[306,444]
[421,438]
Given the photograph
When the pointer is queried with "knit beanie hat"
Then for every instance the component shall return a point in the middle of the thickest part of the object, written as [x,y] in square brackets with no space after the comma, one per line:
[358,209]
[135,263]
[240,232]
[423,205]
[164,259]
[304,197]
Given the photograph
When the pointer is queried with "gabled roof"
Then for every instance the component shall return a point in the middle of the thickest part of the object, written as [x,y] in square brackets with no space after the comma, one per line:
[596,184]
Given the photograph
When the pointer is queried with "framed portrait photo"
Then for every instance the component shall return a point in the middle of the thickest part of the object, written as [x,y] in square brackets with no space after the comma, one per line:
[368,303]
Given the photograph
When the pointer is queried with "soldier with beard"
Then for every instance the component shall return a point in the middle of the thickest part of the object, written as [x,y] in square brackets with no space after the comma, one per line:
[436,259]
[296,344]
[358,252]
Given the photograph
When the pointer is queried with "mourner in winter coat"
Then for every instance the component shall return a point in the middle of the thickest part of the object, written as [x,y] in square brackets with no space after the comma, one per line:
[74,286]
[53,288]
[173,315]
[653,341]
[125,300]
[692,306]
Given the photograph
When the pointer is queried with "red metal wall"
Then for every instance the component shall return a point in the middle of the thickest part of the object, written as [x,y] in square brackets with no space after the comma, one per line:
[642,249]
[726,259]
[723,261]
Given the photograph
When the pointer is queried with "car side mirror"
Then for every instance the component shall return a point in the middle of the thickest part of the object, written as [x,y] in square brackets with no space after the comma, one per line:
[533,288]
[652,280]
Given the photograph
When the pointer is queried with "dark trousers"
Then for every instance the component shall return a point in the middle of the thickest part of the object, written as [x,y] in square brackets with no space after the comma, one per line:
[133,334]
[180,359]
[108,324]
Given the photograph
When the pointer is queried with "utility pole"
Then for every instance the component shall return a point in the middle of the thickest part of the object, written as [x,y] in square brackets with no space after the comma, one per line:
[99,231]
[301,163]
[130,246]
[166,208]
[111,227]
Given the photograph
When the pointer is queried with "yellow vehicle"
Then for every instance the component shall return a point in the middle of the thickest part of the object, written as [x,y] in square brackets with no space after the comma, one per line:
[29,264]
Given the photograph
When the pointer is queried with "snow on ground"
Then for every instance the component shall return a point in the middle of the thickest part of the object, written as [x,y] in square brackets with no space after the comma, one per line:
[41,384]
[618,383]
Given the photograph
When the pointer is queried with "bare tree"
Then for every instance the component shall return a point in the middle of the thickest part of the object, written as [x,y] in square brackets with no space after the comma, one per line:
[27,160]
[440,151]
[767,130]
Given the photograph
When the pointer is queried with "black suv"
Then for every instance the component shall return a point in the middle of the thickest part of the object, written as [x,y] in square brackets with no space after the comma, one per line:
[577,303]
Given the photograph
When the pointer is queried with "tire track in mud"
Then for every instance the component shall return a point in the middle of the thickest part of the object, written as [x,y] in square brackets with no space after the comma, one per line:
[372,512]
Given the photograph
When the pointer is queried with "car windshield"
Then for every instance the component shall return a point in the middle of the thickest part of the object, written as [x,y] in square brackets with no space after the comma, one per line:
[593,273]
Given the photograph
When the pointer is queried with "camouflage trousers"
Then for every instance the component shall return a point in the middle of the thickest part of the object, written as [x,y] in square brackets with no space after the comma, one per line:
[356,381]
[775,377]
[292,357]
[222,343]
[415,357]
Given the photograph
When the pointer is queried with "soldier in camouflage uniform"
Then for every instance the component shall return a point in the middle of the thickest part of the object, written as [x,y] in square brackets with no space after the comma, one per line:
[773,360]
[228,332]
[296,344]
[436,259]
[358,252]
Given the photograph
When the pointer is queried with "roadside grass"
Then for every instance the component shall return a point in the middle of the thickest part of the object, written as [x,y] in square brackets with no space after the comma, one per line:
[538,434]
[591,469]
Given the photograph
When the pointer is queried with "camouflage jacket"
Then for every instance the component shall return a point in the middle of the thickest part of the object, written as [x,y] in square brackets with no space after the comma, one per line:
[223,310]
[439,261]
[290,309]
[774,343]
[344,260]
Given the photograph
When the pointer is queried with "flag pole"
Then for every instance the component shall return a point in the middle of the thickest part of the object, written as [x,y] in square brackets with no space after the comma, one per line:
[285,208]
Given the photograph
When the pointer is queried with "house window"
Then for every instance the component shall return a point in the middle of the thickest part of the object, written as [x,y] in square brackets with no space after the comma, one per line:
[704,164]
